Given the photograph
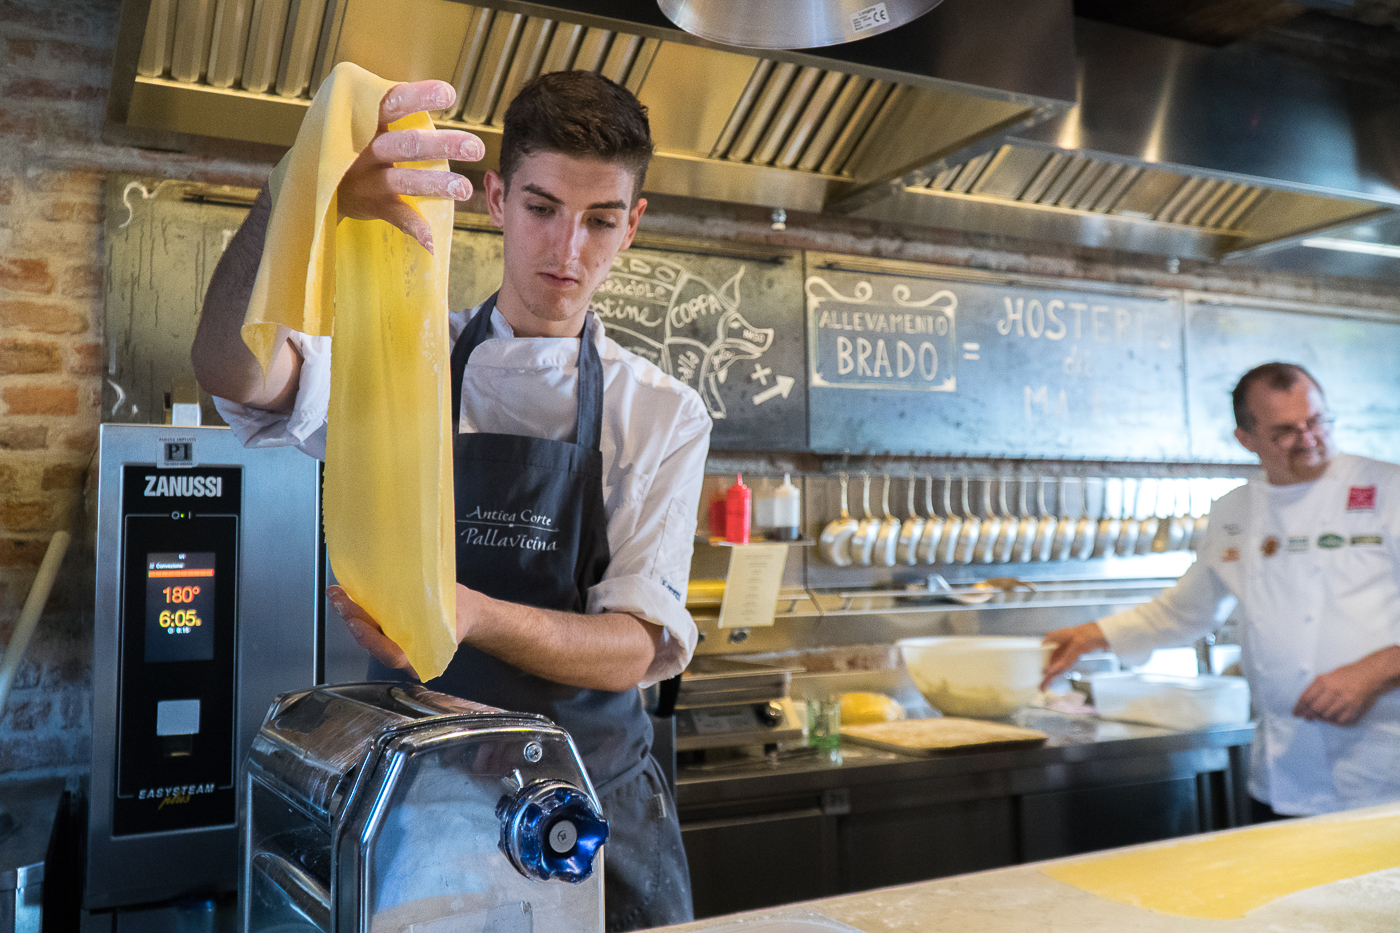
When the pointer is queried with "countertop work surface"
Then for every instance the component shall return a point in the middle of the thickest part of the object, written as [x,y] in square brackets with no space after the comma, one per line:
[1025,898]
[1072,739]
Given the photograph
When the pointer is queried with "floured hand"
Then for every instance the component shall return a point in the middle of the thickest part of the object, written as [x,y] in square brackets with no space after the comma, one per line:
[373,187]
[367,633]
[1069,644]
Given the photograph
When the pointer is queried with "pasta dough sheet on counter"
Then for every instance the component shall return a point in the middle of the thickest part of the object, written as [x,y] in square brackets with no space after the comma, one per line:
[1226,876]
[383,298]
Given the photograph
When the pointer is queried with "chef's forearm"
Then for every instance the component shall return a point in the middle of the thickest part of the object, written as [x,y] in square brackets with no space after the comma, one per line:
[1385,667]
[222,361]
[608,651]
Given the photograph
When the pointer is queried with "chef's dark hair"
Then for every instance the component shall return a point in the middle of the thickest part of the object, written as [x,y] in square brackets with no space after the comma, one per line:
[1277,376]
[581,114]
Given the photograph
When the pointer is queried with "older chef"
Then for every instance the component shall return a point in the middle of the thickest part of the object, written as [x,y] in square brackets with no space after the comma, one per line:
[552,416]
[1311,555]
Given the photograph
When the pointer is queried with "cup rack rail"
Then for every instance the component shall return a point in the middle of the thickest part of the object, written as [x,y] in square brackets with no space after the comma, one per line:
[806,602]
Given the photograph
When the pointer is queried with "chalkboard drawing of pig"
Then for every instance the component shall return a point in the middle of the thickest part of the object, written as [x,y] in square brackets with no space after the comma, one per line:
[692,330]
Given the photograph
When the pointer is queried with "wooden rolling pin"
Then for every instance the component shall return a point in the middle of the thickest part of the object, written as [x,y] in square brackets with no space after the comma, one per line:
[33,606]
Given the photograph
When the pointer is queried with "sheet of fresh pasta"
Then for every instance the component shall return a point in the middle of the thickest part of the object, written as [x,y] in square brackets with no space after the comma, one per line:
[1223,877]
[383,299]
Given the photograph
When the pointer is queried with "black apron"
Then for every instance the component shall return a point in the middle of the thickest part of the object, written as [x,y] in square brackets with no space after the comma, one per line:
[531,529]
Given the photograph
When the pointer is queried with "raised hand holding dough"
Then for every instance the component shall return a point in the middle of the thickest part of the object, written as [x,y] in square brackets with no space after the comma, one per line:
[383,299]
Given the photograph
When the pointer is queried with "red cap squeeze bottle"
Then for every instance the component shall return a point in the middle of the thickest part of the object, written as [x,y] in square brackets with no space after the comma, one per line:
[736,512]
[718,506]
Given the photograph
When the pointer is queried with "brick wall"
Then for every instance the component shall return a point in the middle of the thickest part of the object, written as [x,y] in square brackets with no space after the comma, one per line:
[55,66]
[55,155]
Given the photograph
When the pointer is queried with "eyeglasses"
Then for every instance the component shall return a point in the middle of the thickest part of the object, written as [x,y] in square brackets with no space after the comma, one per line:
[1292,435]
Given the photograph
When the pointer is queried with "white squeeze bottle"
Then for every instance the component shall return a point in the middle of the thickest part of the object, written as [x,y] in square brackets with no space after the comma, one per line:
[787,519]
[764,510]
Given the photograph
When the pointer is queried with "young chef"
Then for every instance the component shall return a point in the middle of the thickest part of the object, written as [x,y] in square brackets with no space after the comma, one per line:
[554,418]
[1311,556]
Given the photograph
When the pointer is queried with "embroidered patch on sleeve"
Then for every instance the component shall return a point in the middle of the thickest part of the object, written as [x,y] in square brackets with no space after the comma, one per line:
[1361,499]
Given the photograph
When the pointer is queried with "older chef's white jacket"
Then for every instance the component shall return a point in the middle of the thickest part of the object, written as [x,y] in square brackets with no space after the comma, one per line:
[656,434]
[1315,568]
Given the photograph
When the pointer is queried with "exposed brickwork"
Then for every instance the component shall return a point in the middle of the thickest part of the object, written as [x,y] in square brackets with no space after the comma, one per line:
[26,275]
[55,68]
[25,514]
[85,359]
[22,48]
[82,282]
[40,400]
[42,317]
[23,437]
[74,210]
[83,441]
[63,476]
[53,90]
[19,552]
[29,356]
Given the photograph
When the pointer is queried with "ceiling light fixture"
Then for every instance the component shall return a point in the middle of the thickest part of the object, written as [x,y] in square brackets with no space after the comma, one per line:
[791,24]
[1353,246]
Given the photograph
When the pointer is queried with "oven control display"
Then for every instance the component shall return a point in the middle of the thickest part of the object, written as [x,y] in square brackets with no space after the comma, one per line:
[180,606]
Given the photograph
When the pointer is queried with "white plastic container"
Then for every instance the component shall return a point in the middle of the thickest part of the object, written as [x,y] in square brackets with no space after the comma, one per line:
[787,511]
[1181,703]
[765,508]
[984,677]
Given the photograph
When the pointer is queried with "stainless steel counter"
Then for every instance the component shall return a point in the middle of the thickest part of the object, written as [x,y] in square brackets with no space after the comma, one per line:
[1011,900]
[1076,742]
[771,831]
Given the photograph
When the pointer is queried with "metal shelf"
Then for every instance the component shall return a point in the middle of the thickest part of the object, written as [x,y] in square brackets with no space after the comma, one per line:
[839,603]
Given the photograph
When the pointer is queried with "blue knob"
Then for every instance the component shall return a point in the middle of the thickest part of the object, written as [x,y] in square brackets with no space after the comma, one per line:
[551,831]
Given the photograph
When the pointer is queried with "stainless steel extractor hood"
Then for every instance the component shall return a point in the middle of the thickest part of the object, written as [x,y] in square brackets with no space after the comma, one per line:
[791,24]
[1174,149]
[795,130]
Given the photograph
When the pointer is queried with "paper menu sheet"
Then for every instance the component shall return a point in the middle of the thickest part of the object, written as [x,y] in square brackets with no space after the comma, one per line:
[751,586]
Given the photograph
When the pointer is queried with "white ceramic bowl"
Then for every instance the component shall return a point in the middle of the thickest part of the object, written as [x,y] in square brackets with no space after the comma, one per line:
[982,676]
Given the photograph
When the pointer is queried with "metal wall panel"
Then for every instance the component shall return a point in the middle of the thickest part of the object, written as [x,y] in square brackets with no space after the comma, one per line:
[161,252]
[1354,358]
[990,366]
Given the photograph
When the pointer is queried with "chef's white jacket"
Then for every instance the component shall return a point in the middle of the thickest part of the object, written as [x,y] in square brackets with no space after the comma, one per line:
[1315,568]
[656,434]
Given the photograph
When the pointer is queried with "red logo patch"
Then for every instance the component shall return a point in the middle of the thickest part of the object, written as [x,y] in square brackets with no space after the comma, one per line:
[1361,499]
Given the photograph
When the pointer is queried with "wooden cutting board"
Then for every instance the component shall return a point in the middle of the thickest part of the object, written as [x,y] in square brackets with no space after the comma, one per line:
[946,734]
